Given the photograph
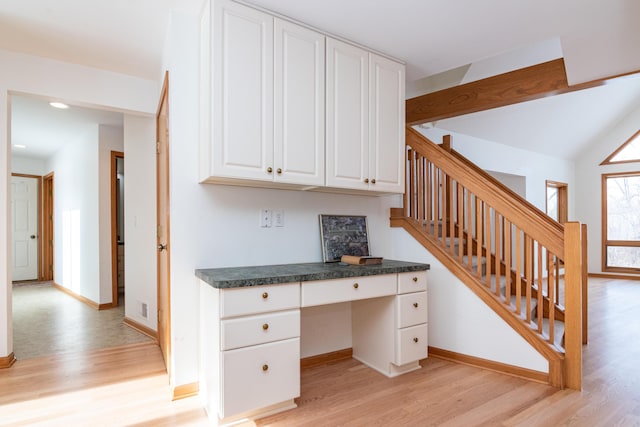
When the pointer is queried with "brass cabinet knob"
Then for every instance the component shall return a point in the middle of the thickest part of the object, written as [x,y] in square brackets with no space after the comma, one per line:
[415,279]
[373,181]
[269,169]
[415,339]
[415,304]
[355,286]
[265,295]
[366,180]
[279,170]
[265,326]
[265,368]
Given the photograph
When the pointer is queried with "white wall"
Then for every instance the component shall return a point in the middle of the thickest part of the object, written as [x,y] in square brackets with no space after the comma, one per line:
[110,139]
[76,85]
[140,270]
[496,157]
[589,181]
[28,166]
[76,226]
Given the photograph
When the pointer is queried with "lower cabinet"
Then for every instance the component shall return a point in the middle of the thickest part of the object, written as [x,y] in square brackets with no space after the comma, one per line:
[259,376]
[250,337]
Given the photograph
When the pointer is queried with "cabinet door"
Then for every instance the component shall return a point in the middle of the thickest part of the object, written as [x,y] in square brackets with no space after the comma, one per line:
[299,57]
[347,116]
[387,118]
[242,92]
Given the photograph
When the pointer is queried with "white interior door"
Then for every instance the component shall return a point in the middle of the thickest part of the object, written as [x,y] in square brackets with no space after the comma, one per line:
[24,228]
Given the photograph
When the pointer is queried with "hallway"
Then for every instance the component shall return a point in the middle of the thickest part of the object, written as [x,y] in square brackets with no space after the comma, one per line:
[46,321]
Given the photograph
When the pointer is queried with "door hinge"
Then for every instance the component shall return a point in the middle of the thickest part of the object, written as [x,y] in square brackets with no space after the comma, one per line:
[158,147]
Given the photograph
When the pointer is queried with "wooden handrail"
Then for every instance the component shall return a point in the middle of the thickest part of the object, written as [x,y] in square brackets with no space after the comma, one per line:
[540,227]
[506,250]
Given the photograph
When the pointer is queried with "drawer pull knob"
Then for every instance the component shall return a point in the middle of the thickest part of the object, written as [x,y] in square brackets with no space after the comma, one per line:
[373,181]
[265,295]
[355,286]
[265,326]
[415,339]
[279,170]
[415,304]
[269,169]
[415,279]
[265,368]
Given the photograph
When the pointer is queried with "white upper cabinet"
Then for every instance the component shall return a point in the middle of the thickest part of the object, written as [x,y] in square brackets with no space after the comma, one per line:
[386,118]
[365,120]
[285,106]
[347,143]
[299,105]
[242,92]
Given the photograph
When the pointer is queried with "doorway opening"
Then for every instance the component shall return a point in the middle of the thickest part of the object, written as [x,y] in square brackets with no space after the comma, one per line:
[117,227]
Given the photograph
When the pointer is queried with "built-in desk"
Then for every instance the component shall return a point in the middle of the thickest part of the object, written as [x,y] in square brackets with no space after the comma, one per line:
[250,327]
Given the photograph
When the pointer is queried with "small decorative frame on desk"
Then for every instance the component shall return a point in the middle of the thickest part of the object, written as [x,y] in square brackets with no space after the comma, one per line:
[343,235]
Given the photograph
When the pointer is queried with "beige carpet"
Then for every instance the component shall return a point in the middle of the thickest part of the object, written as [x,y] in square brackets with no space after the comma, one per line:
[47,321]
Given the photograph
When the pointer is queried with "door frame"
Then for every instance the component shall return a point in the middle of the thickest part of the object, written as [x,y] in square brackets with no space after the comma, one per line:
[115,155]
[47,227]
[163,307]
[40,215]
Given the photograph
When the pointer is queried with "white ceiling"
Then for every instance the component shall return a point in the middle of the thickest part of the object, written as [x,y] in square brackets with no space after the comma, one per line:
[44,129]
[598,38]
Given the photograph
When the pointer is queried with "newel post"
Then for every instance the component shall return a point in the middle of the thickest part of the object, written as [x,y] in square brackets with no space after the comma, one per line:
[573,304]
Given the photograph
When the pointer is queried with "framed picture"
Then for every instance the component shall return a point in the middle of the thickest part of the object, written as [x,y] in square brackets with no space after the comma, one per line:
[343,235]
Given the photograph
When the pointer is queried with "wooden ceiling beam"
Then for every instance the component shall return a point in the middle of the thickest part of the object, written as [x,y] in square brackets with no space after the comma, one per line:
[525,84]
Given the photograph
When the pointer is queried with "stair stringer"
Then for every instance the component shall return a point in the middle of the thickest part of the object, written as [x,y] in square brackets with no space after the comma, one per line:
[551,353]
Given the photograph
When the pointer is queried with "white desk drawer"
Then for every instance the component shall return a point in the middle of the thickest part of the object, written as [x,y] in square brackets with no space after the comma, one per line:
[411,309]
[259,299]
[412,281]
[259,329]
[259,376]
[411,344]
[353,288]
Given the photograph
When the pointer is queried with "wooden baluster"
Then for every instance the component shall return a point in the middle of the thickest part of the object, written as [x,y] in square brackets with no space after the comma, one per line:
[443,207]
[461,210]
[479,230]
[487,244]
[498,244]
[518,262]
[453,187]
[428,197]
[420,187]
[528,270]
[408,183]
[551,265]
[436,201]
[507,260]
[540,288]
[470,211]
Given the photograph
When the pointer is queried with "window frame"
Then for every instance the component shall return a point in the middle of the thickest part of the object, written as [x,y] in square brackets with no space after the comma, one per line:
[563,200]
[618,243]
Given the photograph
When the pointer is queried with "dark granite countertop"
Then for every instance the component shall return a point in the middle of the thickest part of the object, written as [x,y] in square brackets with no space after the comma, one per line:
[235,277]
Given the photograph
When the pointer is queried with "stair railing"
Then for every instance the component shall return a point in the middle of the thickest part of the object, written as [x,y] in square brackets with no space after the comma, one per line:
[525,260]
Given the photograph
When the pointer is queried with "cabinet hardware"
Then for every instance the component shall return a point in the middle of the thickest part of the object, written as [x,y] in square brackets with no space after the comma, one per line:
[265,326]
[366,180]
[415,304]
[415,339]
[355,286]
[373,181]
[279,171]
[269,169]
[265,295]
[415,279]
[265,368]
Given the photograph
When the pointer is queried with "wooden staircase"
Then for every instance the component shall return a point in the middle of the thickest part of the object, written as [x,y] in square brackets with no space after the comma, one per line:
[528,268]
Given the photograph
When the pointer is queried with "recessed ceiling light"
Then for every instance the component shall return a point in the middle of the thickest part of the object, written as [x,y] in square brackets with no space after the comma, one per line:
[21,146]
[58,105]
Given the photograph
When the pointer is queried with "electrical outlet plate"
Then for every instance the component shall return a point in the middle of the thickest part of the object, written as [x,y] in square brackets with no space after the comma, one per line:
[278,218]
[265,218]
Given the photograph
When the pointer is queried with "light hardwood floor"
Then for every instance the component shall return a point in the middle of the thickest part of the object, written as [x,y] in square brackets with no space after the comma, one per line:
[128,386]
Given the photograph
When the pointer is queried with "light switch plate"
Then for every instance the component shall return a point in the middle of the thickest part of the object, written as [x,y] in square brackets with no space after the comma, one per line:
[278,218]
[265,218]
